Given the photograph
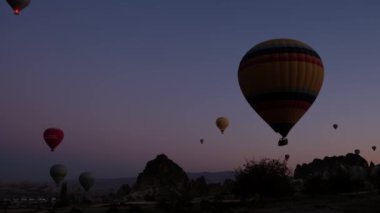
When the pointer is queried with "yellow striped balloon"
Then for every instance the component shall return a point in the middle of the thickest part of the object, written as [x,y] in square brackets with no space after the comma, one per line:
[222,123]
[280,79]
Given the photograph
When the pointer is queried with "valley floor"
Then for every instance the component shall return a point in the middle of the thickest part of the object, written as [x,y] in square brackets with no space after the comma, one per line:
[349,203]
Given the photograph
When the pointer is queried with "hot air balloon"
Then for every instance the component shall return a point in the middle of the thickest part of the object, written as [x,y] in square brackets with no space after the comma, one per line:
[58,172]
[335,126]
[373,148]
[287,156]
[86,180]
[201,140]
[222,123]
[53,137]
[280,79]
[357,151]
[18,5]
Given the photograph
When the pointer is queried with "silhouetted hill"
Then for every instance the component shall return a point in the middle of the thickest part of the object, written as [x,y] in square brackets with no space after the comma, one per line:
[161,172]
[160,179]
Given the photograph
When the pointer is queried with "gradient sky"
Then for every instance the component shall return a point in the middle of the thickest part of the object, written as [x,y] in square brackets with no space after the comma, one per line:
[127,80]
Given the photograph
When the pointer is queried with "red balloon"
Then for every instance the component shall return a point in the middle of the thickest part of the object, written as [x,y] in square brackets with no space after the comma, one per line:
[53,137]
[18,5]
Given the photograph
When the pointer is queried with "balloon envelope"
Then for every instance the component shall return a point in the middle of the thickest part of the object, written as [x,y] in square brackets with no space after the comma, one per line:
[335,126]
[18,5]
[281,79]
[53,137]
[222,123]
[87,180]
[373,148]
[58,172]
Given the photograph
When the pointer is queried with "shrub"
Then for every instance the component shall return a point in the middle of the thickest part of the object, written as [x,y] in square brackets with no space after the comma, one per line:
[267,177]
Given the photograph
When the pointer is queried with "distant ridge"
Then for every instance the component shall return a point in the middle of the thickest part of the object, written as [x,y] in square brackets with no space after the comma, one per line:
[104,184]
[212,177]
[113,184]
[108,185]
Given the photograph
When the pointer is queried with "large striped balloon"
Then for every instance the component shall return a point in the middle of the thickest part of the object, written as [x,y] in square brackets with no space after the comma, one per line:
[18,5]
[280,79]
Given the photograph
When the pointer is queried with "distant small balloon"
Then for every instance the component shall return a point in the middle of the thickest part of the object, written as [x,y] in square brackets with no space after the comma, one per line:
[201,140]
[18,5]
[86,179]
[335,126]
[58,172]
[357,151]
[373,148]
[222,123]
[287,156]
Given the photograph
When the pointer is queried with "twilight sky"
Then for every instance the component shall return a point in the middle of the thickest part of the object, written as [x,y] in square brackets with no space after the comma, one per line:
[127,80]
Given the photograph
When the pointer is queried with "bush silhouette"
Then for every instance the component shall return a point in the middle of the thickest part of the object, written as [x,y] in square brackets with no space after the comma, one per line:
[267,177]
[315,185]
[124,190]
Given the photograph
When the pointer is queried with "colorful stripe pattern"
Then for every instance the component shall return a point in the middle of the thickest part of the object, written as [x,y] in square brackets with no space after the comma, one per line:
[280,79]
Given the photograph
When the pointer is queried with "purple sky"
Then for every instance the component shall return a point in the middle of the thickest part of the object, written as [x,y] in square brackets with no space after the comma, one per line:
[128,80]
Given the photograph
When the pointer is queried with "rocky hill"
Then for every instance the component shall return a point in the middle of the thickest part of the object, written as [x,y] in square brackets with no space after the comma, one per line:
[319,167]
[160,177]
[161,172]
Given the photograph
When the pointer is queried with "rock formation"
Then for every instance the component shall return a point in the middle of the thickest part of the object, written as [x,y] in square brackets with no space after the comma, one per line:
[330,165]
[160,177]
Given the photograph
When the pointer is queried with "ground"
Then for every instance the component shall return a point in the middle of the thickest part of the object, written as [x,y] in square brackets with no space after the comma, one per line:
[348,203]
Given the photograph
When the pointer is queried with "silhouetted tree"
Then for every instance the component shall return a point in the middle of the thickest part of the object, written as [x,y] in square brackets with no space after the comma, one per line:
[202,185]
[371,165]
[63,193]
[76,210]
[229,187]
[124,190]
[375,177]
[267,177]
[198,187]
[64,199]
[315,185]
